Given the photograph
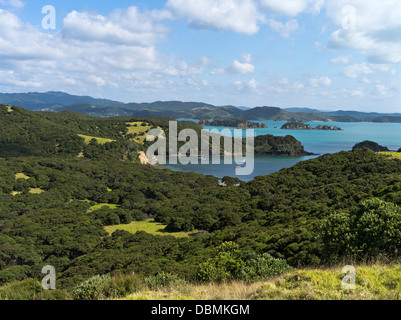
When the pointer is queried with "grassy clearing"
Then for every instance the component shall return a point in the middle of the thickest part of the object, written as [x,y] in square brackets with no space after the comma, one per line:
[375,282]
[21,176]
[138,129]
[396,155]
[36,191]
[99,140]
[32,191]
[149,226]
[210,291]
[9,109]
[101,205]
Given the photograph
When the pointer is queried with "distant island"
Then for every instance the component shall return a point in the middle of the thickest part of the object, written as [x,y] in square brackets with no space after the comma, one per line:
[282,146]
[233,124]
[370,145]
[304,126]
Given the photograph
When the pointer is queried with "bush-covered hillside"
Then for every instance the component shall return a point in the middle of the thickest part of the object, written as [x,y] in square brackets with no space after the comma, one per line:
[54,207]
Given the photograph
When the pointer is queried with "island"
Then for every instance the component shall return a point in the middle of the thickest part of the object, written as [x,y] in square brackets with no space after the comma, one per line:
[280,146]
[304,126]
[243,124]
[370,145]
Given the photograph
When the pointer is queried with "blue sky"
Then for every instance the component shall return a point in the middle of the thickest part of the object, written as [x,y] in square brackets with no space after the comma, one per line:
[325,54]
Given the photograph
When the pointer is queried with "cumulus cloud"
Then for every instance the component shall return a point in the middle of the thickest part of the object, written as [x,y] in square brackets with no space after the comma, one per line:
[364,69]
[238,67]
[293,7]
[340,60]
[251,85]
[284,85]
[241,16]
[19,41]
[128,26]
[17,4]
[372,27]
[320,82]
[90,52]
[286,29]
[353,93]
[197,83]
[242,67]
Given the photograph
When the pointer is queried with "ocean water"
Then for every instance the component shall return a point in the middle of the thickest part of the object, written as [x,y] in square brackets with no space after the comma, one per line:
[315,141]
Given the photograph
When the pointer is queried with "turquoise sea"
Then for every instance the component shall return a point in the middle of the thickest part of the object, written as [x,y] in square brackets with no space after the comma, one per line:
[317,142]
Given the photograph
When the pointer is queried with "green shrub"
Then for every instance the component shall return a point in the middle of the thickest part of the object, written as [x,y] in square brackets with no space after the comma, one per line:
[31,289]
[121,286]
[373,228]
[162,280]
[231,263]
[21,290]
[14,273]
[262,267]
[224,266]
[91,289]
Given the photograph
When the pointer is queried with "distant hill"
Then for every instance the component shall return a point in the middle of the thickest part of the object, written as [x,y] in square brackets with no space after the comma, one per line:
[304,110]
[167,106]
[60,101]
[40,101]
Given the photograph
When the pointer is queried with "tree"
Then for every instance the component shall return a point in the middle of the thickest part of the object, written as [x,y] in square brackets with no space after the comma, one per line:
[373,228]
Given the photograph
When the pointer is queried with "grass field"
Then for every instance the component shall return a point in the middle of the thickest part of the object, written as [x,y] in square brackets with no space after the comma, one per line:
[149,226]
[373,282]
[99,140]
[137,128]
[32,190]
[396,155]
[9,109]
[21,176]
[36,191]
[101,205]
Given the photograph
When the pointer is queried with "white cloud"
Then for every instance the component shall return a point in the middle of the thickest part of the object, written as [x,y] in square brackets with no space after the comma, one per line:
[293,7]
[17,4]
[353,93]
[128,26]
[375,28]
[320,82]
[382,90]
[238,67]
[286,29]
[90,53]
[284,85]
[197,83]
[241,16]
[356,70]
[364,69]
[251,85]
[97,80]
[340,60]
[247,57]
[242,68]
